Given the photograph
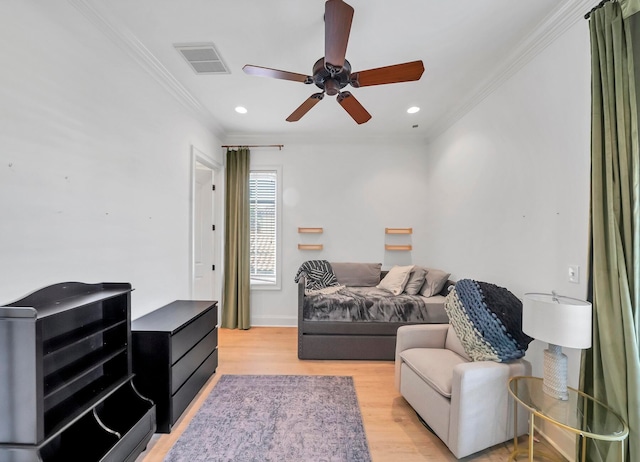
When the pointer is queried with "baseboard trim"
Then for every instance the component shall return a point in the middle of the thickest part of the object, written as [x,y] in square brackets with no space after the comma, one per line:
[274,321]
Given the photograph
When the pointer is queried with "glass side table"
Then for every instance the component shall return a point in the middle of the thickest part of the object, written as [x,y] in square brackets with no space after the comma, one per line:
[580,414]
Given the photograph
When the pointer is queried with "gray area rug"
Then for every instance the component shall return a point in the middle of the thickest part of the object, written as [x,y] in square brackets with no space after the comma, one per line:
[276,418]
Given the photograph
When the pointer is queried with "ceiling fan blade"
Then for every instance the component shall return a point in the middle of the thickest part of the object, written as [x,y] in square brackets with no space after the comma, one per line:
[405,72]
[353,107]
[305,107]
[337,26]
[276,74]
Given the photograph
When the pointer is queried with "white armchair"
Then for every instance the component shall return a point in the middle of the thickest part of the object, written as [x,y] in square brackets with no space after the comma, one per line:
[464,402]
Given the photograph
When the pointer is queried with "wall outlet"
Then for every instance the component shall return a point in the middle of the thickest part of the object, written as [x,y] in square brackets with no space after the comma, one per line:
[574,274]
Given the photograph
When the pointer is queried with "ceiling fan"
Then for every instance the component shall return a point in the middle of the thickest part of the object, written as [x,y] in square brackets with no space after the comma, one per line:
[333,72]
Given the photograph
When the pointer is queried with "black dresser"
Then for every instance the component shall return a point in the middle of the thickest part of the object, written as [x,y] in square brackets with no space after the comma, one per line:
[175,351]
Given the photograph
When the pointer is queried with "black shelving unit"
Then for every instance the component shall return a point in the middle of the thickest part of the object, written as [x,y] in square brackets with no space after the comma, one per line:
[68,392]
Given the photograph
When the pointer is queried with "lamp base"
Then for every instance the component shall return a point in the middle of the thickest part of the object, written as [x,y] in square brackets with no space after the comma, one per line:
[554,382]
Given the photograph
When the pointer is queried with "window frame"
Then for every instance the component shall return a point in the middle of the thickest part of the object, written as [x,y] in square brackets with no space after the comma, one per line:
[277,284]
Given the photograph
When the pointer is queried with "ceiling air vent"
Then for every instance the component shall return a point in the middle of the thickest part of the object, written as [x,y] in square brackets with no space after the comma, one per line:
[203,58]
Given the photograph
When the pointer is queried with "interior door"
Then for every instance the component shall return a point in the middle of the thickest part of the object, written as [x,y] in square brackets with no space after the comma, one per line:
[203,258]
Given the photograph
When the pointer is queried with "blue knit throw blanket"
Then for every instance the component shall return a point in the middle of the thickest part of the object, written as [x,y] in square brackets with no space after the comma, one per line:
[488,321]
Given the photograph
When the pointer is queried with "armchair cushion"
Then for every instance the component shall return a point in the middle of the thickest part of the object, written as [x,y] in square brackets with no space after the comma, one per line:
[438,362]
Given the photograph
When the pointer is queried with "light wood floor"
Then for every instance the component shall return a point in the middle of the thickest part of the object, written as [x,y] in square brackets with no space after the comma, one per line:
[393,431]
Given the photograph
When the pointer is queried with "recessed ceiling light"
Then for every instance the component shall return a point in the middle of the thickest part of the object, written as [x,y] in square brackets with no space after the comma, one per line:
[413,109]
[241,110]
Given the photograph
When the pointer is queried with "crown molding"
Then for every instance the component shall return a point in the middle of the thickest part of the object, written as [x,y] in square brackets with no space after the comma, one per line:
[553,26]
[127,41]
[331,139]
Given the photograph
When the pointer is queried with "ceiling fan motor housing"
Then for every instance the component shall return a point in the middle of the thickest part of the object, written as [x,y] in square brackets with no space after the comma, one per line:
[331,83]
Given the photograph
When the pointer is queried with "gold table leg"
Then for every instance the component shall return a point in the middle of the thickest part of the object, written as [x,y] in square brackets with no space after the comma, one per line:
[531,422]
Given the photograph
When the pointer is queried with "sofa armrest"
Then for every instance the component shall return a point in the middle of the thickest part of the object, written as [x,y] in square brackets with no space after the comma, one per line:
[483,422]
[418,336]
[301,285]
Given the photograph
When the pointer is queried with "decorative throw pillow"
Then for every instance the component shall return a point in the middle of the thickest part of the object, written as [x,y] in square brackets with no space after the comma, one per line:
[416,280]
[357,274]
[396,279]
[434,282]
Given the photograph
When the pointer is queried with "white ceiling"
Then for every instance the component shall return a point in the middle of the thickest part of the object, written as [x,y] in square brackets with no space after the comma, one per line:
[466,46]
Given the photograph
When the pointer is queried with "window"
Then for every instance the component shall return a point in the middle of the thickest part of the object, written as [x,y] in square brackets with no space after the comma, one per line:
[263,240]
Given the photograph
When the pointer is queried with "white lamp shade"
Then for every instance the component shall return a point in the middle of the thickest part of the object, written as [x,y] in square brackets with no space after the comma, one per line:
[558,320]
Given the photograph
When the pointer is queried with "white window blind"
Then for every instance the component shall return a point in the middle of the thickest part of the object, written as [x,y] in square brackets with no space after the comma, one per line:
[263,238]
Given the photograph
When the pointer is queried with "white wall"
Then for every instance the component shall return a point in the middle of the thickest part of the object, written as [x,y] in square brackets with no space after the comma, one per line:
[509,184]
[351,189]
[95,163]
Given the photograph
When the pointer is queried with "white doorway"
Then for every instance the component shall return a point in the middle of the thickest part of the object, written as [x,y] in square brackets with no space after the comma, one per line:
[204,230]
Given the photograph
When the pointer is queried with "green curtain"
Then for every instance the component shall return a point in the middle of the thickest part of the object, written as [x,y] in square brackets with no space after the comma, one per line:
[611,368]
[236,311]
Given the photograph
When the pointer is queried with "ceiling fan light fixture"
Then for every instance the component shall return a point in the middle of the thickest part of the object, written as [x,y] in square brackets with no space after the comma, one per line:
[413,109]
[241,110]
[332,72]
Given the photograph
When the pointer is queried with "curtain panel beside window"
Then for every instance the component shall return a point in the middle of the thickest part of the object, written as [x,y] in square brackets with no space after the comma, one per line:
[236,311]
[611,368]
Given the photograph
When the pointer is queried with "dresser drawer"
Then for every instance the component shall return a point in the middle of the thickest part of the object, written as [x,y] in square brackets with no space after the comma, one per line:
[186,365]
[192,386]
[183,340]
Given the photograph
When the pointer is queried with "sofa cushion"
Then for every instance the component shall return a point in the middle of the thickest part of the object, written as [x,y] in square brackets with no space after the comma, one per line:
[396,279]
[434,282]
[416,280]
[434,366]
[357,274]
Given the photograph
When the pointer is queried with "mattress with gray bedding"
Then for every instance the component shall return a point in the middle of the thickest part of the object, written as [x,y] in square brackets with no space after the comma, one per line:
[372,304]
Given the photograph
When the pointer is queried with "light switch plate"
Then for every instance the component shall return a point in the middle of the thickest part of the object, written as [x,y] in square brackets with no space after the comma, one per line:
[574,274]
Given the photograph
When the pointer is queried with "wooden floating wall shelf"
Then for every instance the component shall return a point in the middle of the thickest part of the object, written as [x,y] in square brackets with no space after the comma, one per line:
[398,230]
[397,247]
[309,246]
[310,230]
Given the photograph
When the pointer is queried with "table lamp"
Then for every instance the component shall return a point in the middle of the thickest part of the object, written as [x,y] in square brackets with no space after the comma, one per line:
[559,321]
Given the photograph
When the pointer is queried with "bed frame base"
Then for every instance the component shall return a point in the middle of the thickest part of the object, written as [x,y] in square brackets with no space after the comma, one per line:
[357,347]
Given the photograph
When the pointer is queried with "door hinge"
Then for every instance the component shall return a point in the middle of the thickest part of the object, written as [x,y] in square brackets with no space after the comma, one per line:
[213,267]
[213,227]
[213,187]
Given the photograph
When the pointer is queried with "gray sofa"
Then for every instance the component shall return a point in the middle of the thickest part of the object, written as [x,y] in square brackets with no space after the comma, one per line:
[361,339]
